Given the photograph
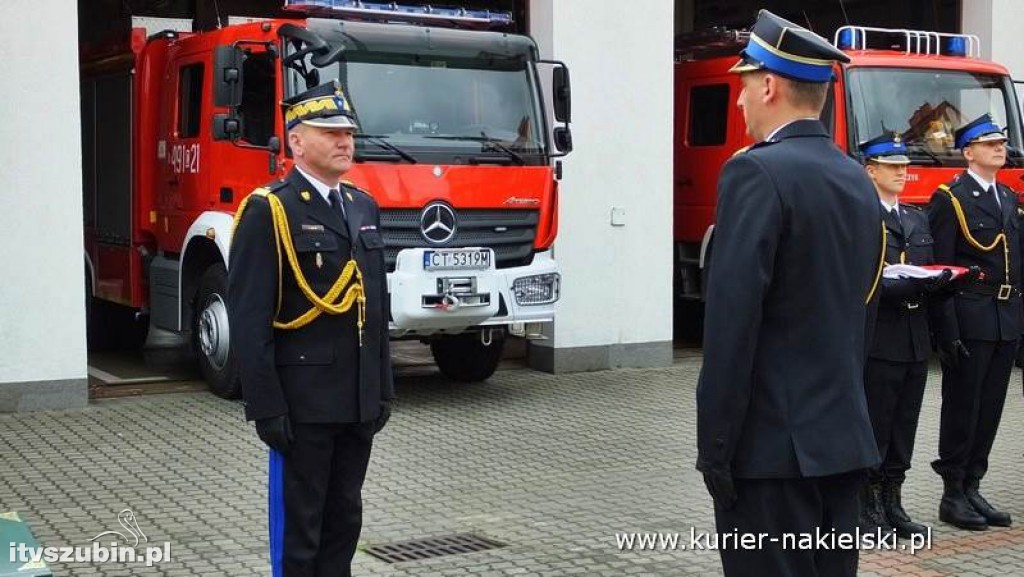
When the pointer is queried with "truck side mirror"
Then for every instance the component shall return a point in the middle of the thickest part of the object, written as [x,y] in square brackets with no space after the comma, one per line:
[226,127]
[227,76]
[561,94]
[563,139]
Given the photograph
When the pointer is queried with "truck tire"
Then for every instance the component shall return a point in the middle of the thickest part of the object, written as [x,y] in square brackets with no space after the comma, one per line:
[465,358]
[211,337]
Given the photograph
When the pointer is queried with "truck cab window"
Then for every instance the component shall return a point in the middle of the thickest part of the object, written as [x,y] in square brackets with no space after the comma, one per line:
[709,112]
[257,108]
[190,98]
[926,107]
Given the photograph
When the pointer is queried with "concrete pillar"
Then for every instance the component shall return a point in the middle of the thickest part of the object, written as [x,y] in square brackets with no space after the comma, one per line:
[42,295]
[615,205]
[997,24]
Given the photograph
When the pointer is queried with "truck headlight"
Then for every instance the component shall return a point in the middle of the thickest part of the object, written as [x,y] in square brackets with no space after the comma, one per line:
[539,289]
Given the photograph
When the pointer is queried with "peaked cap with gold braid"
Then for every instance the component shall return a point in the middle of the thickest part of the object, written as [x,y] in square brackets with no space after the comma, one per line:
[324,106]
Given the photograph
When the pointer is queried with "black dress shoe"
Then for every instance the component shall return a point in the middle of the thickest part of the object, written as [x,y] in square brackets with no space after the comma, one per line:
[992,515]
[957,511]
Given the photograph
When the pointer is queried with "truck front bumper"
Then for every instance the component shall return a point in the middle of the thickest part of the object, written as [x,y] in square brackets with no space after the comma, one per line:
[426,302]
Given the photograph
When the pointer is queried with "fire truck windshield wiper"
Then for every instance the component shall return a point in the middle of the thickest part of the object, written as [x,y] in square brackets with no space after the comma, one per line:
[489,140]
[931,155]
[381,141]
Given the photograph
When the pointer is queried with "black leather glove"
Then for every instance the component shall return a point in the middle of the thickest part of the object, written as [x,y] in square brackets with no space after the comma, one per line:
[935,284]
[383,417]
[973,274]
[721,488]
[951,353]
[276,432]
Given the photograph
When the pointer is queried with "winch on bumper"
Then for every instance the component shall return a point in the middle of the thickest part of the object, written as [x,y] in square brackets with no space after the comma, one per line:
[449,290]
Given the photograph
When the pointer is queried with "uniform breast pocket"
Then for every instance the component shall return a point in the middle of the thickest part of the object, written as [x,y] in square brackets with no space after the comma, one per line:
[983,228]
[314,250]
[920,247]
[315,242]
[372,240]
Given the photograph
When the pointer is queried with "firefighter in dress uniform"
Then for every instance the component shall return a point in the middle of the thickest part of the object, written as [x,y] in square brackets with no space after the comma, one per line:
[974,221]
[783,431]
[897,365]
[309,323]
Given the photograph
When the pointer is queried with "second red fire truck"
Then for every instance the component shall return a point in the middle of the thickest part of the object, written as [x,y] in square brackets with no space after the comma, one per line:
[923,85]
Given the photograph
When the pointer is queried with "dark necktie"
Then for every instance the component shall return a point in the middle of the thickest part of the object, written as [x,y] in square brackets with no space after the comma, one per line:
[995,194]
[896,216]
[336,202]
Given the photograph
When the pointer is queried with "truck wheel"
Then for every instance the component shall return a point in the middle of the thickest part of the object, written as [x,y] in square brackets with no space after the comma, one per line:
[465,358]
[210,336]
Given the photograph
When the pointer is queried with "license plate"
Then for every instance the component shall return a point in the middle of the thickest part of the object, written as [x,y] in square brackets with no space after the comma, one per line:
[457,259]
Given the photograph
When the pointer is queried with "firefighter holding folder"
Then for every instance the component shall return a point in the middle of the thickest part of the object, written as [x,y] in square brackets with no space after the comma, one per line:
[897,365]
[975,222]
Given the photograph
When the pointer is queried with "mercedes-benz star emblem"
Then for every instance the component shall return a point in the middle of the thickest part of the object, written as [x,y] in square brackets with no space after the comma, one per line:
[438,223]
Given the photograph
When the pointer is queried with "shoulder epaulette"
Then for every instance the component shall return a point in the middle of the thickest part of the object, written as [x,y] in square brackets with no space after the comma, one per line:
[351,185]
[276,185]
[913,206]
[270,188]
[741,151]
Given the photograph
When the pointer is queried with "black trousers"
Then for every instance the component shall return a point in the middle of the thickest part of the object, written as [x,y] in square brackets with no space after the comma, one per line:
[316,508]
[792,506]
[973,396]
[894,392]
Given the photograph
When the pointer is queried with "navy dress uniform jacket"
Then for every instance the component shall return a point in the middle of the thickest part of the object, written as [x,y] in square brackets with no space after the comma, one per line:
[901,327]
[969,315]
[796,250]
[317,373]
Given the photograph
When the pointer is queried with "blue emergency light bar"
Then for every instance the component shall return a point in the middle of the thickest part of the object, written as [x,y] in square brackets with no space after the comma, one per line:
[394,12]
[909,41]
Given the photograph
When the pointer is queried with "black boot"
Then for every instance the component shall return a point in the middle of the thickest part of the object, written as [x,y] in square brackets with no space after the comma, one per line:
[892,502]
[872,515]
[992,515]
[956,510]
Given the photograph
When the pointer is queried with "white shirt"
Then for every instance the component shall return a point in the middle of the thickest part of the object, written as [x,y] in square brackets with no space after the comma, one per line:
[323,189]
[988,186]
[888,208]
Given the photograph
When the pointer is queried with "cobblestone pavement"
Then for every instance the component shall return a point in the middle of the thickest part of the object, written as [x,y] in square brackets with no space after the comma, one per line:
[551,466]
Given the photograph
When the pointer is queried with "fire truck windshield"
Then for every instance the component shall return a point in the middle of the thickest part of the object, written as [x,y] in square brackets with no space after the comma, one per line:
[441,109]
[926,107]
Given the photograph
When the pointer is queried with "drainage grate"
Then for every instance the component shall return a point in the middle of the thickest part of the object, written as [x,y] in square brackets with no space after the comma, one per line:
[431,547]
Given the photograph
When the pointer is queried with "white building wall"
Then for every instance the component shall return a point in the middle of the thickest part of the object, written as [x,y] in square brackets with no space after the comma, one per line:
[997,24]
[42,310]
[616,305]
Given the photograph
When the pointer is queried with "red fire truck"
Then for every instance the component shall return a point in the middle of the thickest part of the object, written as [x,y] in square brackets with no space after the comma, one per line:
[456,143]
[923,85]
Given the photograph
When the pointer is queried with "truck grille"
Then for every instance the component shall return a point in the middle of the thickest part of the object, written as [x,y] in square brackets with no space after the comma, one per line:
[509,232]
